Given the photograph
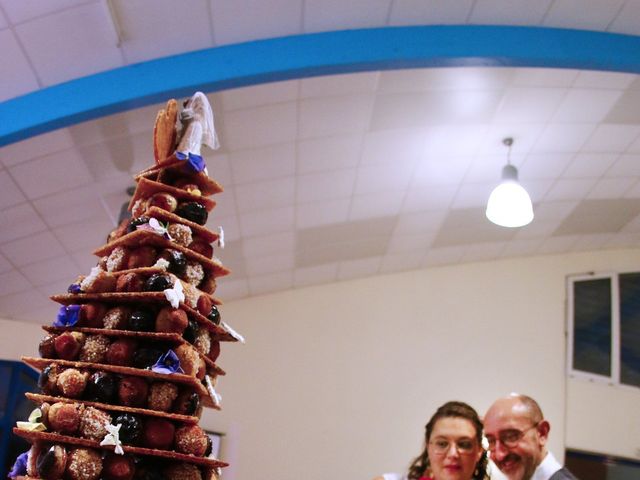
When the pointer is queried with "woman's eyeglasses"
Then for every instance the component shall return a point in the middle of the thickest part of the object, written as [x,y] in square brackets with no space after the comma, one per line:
[463,446]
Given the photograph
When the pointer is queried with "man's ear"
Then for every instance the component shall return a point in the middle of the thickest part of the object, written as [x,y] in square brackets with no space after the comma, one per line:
[543,431]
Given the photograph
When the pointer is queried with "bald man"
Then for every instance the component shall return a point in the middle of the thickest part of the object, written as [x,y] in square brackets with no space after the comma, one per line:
[517,433]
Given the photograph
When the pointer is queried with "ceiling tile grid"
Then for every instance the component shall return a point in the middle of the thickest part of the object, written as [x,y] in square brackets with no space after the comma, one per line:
[18,76]
[19,12]
[434,12]
[34,147]
[557,244]
[272,282]
[258,95]
[11,193]
[329,153]
[3,20]
[327,273]
[360,267]
[399,262]
[325,212]
[318,187]
[327,178]
[612,188]
[627,20]
[13,305]
[244,20]
[267,163]
[48,271]
[511,12]
[323,15]
[322,117]
[437,198]
[149,35]
[372,205]
[70,43]
[12,282]
[583,105]
[584,14]
[443,256]
[231,289]
[259,121]
[19,221]
[5,265]
[612,138]
[51,174]
[521,247]
[31,249]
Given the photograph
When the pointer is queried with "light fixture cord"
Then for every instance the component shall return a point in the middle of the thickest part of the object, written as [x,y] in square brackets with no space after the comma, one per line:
[508,142]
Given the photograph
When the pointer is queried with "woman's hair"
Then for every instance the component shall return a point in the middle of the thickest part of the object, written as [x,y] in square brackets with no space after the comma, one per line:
[420,465]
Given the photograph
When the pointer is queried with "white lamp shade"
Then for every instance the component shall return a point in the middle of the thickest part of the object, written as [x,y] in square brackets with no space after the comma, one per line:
[509,205]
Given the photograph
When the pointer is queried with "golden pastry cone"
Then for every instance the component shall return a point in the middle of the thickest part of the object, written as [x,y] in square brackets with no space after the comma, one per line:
[164,132]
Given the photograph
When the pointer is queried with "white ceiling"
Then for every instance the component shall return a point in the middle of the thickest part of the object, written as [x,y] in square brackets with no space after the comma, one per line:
[326,178]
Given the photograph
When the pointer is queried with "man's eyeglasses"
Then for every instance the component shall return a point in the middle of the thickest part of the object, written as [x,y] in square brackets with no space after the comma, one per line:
[509,438]
[442,446]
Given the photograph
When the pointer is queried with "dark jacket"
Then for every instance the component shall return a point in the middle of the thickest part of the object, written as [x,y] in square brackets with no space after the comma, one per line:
[563,474]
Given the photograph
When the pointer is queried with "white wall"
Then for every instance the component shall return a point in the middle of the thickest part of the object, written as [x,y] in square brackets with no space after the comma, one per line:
[603,418]
[20,339]
[340,379]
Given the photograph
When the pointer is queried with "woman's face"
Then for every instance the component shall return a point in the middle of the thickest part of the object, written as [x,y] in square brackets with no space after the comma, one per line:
[453,449]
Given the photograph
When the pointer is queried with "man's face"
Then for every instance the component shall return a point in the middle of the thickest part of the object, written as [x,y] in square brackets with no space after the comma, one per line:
[516,441]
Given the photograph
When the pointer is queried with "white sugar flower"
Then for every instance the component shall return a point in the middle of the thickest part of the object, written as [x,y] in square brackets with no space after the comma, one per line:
[113,438]
[220,237]
[156,227]
[175,295]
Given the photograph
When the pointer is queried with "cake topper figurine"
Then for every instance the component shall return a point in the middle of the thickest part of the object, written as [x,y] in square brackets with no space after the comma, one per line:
[197,127]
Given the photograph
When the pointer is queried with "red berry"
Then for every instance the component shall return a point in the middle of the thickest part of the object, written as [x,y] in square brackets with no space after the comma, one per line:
[133,392]
[91,315]
[204,304]
[121,352]
[67,346]
[158,433]
[171,320]
[117,467]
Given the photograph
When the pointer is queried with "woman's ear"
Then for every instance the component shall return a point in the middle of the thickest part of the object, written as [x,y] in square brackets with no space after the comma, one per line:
[481,452]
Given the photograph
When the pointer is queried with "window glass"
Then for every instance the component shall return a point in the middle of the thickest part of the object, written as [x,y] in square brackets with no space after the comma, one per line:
[630,329]
[592,326]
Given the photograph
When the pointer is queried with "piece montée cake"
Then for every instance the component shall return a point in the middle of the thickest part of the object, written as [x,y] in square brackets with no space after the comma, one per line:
[130,361]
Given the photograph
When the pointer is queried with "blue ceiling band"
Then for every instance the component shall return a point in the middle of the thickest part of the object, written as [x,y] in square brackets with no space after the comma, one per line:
[301,56]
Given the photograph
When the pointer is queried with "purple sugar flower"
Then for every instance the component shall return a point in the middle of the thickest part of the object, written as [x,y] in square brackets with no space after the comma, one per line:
[168,363]
[20,467]
[67,316]
[74,288]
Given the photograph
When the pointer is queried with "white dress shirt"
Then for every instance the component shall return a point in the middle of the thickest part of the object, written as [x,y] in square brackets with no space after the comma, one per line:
[547,467]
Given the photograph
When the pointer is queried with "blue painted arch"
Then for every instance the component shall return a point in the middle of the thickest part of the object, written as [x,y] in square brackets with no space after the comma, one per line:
[302,56]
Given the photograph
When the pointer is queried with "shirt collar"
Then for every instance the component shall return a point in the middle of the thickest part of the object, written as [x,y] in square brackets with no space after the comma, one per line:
[547,467]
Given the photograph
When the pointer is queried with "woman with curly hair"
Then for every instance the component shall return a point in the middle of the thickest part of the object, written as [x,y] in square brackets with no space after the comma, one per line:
[453,447]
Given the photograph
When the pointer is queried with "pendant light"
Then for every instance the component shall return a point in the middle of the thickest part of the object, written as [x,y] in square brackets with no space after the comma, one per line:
[509,204]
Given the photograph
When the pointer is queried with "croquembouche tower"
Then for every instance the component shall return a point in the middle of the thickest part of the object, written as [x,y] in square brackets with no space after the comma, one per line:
[129,363]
